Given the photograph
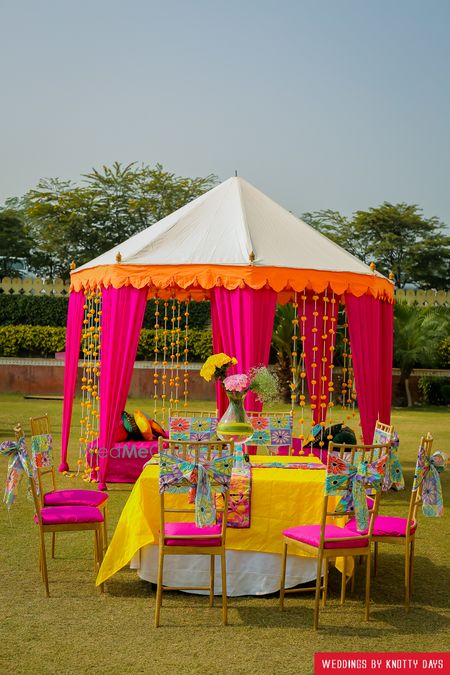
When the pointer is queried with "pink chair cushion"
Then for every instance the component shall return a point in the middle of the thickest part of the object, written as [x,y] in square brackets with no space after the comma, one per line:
[310,534]
[386,526]
[65,515]
[190,529]
[75,498]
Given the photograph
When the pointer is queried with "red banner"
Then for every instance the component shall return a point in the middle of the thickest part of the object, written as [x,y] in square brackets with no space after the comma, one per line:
[331,663]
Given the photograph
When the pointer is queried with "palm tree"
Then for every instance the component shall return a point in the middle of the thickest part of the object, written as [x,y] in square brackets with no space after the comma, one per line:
[417,334]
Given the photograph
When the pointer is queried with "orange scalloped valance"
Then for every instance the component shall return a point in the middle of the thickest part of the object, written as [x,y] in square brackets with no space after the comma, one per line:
[195,281]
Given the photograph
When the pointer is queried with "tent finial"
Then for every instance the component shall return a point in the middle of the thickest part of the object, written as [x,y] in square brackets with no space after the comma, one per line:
[118,257]
[251,257]
[235,173]
[72,265]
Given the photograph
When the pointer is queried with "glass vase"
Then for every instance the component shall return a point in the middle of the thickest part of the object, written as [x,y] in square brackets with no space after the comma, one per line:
[234,425]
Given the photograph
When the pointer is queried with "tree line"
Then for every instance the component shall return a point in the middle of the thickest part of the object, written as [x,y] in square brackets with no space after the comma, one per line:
[59,221]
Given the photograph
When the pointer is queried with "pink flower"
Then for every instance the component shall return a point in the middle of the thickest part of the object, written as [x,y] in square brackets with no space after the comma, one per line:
[236,382]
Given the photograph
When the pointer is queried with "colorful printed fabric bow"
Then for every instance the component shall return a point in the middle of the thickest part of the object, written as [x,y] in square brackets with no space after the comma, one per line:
[353,480]
[19,462]
[427,471]
[41,450]
[393,477]
[181,475]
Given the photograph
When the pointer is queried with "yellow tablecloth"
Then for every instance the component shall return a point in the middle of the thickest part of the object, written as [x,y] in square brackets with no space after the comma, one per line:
[280,498]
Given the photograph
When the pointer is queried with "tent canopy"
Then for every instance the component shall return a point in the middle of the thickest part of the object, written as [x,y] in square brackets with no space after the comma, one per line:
[232,236]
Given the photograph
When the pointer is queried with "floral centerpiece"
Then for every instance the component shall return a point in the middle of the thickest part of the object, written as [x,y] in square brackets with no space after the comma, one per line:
[234,424]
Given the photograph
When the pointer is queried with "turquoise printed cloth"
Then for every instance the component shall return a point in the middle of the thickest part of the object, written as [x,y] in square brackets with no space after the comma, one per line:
[427,473]
[193,428]
[181,475]
[42,451]
[393,477]
[18,463]
[272,431]
[350,482]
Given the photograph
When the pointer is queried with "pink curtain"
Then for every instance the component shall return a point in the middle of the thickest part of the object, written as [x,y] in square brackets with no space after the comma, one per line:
[73,339]
[386,357]
[242,324]
[122,315]
[372,370]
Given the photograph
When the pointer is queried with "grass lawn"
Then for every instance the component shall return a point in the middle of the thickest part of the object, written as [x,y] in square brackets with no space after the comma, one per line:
[79,630]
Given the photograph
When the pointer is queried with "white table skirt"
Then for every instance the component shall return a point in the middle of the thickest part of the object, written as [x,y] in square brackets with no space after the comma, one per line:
[248,572]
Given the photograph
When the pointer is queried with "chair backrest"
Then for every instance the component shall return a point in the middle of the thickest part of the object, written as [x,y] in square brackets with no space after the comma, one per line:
[19,433]
[193,425]
[272,430]
[426,444]
[179,470]
[42,451]
[353,473]
[382,433]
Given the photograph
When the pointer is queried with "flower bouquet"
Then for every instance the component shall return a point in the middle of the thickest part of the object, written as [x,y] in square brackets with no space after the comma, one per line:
[234,424]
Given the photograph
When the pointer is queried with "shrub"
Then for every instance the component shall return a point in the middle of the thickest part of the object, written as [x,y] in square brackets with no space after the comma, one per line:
[33,310]
[44,341]
[435,390]
[31,340]
[444,353]
[199,345]
[50,310]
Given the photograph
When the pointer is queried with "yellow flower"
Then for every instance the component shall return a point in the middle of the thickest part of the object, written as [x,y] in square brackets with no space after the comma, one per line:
[215,362]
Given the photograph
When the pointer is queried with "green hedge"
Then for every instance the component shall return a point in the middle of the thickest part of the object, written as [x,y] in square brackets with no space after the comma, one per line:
[47,310]
[444,353]
[40,341]
[44,341]
[435,390]
[33,310]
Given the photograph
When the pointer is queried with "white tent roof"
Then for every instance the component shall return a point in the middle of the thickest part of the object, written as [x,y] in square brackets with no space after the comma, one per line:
[224,227]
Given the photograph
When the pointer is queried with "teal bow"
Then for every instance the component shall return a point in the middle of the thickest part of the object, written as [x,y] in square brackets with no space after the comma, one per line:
[393,477]
[18,463]
[353,481]
[427,473]
[181,475]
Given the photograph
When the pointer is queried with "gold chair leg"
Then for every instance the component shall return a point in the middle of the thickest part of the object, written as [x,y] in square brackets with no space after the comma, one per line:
[318,585]
[407,575]
[224,589]
[411,570]
[105,528]
[44,564]
[344,581]
[352,587]
[211,582]
[53,544]
[159,587]
[368,572]
[283,575]
[375,559]
[99,556]
[325,584]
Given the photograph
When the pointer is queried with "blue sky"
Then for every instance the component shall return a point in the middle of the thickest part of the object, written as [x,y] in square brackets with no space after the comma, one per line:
[321,104]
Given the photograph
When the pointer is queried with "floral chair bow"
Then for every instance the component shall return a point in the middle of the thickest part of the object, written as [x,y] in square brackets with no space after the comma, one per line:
[351,481]
[181,475]
[393,477]
[18,463]
[427,473]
